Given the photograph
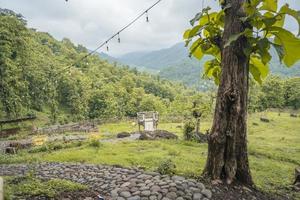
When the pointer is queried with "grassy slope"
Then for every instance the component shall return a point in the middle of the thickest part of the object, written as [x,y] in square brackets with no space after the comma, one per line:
[29,186]
[274,151]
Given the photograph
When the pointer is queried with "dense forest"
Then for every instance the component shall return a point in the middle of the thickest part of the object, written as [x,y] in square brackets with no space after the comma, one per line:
[38,74]
[41,74]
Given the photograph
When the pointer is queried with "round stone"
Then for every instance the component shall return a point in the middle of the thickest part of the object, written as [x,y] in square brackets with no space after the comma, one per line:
[171,195]
[125,194]
[152,197]
[145,193]
[177,178]
[197,196]
[155,188]
[134,198]
[207,193]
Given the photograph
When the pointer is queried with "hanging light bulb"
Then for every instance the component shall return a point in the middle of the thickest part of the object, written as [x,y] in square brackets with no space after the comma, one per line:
[147,17]
[119,39]
[107,48]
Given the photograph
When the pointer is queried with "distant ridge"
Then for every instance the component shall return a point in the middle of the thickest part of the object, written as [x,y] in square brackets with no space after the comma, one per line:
[174,64]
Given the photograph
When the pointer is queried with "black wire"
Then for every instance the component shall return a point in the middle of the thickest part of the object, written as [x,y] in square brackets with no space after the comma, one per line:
[114,35]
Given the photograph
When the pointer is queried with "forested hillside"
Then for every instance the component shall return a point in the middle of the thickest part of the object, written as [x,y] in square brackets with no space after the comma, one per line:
[174,64]
[37,75]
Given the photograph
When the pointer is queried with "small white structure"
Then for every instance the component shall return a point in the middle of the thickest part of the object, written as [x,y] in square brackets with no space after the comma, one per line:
[149,120]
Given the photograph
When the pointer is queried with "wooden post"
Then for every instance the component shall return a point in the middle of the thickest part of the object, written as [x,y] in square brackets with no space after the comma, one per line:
[1,189]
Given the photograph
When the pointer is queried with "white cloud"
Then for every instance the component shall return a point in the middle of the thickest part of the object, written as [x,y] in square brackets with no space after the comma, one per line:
[90,22]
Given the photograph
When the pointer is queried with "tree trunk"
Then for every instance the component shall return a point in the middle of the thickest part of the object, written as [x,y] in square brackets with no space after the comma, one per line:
[227,147]
[197,126]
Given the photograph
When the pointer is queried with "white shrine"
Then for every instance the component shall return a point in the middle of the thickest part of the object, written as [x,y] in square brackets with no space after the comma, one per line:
[149,120]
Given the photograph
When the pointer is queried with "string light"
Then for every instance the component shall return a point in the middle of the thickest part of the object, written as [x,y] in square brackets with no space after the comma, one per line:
[107,48]
[119,39]
[147,17]
[114,35]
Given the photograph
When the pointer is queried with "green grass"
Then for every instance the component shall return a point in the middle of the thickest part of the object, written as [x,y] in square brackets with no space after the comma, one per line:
[29,186]
[274,150]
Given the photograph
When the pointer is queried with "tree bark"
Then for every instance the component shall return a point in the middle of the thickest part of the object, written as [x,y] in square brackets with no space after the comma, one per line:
[227,147]
[197,125]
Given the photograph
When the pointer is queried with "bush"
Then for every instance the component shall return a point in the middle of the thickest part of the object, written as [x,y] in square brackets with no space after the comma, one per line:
[188,130]
[56,147]
[95,143]
[166,167]
[39,149]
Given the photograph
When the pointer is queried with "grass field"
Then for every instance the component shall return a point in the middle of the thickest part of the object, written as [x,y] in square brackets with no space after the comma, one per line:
[274,150]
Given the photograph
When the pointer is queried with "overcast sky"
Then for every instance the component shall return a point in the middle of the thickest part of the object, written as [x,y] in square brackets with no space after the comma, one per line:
[90,22]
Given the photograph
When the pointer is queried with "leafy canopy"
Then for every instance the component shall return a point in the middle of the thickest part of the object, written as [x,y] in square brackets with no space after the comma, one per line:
[266,21]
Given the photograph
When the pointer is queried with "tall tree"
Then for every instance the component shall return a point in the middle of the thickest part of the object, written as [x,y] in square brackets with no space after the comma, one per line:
[239,37]
[13,85]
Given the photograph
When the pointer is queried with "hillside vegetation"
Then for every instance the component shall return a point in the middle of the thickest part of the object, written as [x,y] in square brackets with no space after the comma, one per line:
[39,73]
[174,63]
[57,81]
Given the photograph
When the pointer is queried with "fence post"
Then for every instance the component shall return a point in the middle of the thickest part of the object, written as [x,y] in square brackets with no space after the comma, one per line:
[1,189]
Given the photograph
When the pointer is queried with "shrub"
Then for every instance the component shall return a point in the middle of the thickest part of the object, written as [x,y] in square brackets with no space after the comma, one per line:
[57,147]
[95,143]
[166,167]
[188,130]
[39,149]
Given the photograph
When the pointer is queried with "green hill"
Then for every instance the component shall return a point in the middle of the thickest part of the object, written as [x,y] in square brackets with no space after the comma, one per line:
[174,64]
[42,74]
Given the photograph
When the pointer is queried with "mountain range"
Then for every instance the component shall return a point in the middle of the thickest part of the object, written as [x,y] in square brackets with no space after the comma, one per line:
[175,64]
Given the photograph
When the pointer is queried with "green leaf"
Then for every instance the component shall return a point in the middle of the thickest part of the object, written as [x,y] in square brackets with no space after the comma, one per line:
[194,31]
[290,43]
[258,69]
[255,3]
[212,69]
[255,73]
[196,18]
[208,66]
[269,21]
[198,53]
[187,42]
[263,50]
[296,14]
[263,69]
[235,37]
[280,18]
[270,5]
[280,50]
[196,50]
[212,50]
[186,34]
[216,74]
[205,19]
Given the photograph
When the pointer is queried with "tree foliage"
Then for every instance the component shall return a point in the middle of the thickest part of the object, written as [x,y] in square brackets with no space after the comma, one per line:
[265,22]
[275,92]
[37,76]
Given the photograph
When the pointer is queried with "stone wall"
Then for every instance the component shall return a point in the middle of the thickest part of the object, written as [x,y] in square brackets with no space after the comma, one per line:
[116,182]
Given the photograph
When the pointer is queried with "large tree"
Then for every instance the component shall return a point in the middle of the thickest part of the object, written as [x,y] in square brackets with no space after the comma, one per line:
[239,37]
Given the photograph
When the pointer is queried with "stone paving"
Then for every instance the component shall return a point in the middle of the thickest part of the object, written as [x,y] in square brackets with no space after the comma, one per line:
[117,183]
